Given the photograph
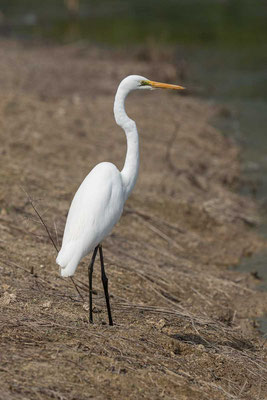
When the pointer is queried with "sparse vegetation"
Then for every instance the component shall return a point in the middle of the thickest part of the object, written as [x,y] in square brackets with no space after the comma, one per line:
[184,323]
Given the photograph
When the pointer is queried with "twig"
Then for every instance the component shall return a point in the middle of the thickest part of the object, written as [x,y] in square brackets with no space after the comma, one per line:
[160,233]
[49,235]
[41,219]
[55,226]
[76,287]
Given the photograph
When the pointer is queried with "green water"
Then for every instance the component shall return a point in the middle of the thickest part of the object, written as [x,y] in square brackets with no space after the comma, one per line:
[223,42]
[237,77]
[227,22]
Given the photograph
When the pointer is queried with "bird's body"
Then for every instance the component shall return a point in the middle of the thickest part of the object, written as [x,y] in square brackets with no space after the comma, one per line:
[92,215]
[98,203]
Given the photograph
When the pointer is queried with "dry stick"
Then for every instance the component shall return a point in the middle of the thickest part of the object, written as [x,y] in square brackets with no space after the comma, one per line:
[160,233]
[49,235]
[138,272]
[41,219]
[181,314]
[9,263]
[154,218]
[55,227]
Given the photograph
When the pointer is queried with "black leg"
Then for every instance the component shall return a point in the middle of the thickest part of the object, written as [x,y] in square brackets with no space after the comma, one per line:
[90,277]
[105,284]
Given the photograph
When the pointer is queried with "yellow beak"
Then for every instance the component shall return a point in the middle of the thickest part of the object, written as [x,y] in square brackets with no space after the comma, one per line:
[164,85]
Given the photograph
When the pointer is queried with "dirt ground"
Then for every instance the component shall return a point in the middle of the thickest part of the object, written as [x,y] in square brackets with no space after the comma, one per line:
[185,324]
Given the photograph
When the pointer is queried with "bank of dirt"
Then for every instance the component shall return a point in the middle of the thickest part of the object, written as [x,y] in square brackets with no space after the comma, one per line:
[184,323]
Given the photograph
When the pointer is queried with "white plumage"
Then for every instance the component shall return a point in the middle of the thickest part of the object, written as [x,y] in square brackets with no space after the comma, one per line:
[95,209]
[98,203]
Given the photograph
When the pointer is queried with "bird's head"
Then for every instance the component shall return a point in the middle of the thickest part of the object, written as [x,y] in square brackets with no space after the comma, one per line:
[134,82]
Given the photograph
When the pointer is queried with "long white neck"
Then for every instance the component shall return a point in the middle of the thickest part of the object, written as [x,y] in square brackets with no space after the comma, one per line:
[131,165]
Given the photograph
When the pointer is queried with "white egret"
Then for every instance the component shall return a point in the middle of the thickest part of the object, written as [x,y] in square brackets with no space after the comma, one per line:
[98,203]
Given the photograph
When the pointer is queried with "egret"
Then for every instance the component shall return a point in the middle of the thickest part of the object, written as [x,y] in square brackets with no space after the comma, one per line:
[98,203]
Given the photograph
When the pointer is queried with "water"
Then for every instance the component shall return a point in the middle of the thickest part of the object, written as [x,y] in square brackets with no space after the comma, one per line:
[231,77]
[224,43]
[224,22]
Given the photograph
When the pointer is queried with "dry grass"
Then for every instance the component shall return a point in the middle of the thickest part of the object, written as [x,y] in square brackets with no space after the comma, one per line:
[183,322]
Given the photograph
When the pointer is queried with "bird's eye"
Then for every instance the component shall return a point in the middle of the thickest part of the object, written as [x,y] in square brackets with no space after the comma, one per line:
[144,83]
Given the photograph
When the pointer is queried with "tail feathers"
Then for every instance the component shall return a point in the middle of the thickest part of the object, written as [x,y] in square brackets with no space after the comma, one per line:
[67,261]
[70,268]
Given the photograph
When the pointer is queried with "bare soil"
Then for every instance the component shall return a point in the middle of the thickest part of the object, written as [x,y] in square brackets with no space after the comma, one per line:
[184,322]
